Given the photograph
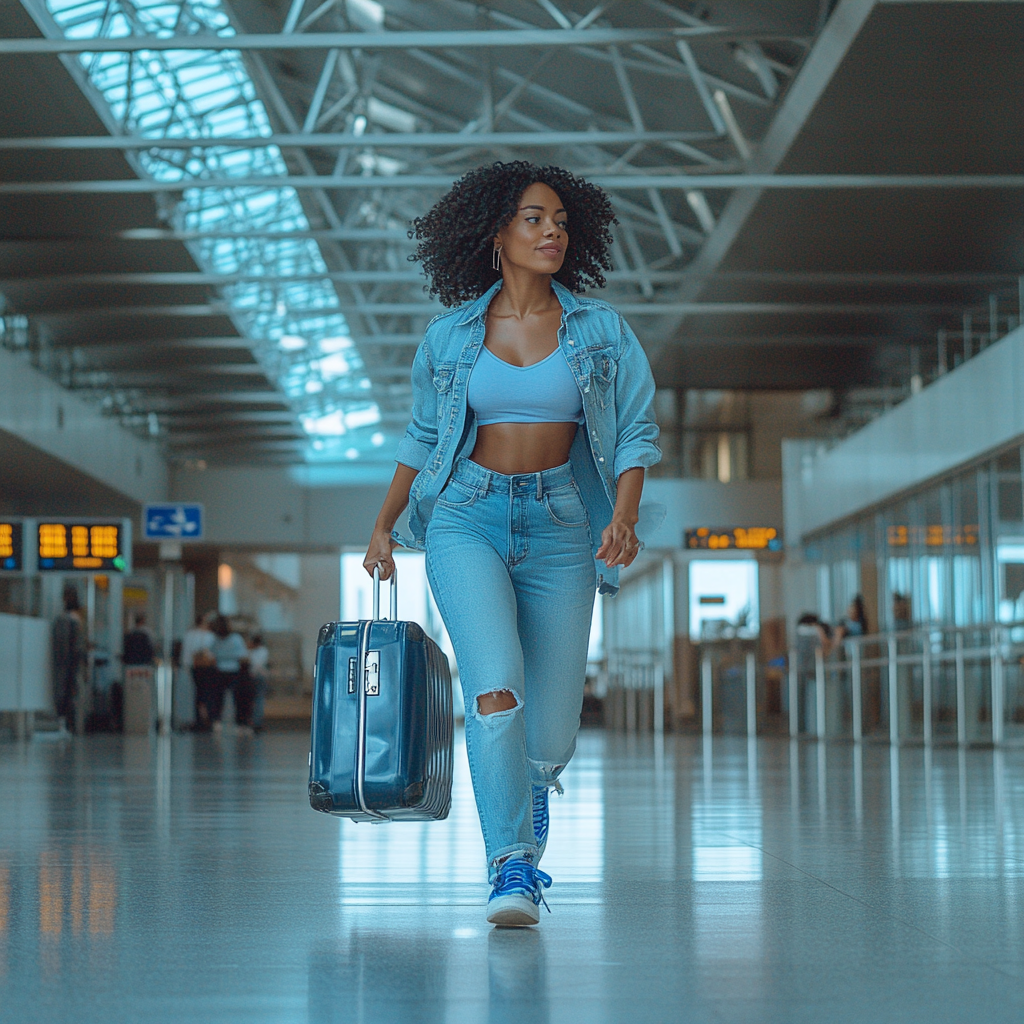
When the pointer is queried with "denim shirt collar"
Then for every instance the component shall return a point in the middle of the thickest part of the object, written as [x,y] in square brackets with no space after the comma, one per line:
[477,309]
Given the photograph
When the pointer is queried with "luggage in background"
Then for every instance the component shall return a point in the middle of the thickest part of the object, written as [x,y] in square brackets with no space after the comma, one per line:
[381,742]
[139,705]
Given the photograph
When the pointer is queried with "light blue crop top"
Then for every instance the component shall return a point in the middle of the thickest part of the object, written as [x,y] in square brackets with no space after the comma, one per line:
[544,392]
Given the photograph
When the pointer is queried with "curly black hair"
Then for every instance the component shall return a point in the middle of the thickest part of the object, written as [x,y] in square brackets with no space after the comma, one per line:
[456,237]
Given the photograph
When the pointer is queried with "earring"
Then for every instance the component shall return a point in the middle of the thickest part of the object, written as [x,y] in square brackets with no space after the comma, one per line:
[496,258]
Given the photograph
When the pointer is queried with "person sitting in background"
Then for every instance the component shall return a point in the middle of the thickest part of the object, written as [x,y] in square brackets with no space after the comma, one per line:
[259,658]
[139,648]
[853,623]
[229,652]
[197,662]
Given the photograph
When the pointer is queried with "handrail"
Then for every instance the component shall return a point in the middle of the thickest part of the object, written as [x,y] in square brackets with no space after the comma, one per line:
[907,669]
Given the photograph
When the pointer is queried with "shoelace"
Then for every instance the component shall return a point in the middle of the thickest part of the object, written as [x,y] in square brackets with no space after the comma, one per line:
[541,818]
[518,875]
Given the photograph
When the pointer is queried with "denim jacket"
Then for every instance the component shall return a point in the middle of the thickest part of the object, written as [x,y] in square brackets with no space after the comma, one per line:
[611,371]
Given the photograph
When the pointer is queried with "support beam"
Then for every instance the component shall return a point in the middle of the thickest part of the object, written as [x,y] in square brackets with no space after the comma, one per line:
[448,40]
[166,235]
[654,308]
[640,182]
[828,52]
[345,140]
[414,277]
[221,344]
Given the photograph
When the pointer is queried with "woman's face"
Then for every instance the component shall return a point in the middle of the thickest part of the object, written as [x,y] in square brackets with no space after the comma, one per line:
[537,238]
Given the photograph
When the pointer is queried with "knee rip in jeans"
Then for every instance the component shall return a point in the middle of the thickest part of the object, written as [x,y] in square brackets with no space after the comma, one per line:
[497,706]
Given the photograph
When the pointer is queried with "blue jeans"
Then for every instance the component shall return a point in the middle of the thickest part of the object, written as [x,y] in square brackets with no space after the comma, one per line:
[509,561]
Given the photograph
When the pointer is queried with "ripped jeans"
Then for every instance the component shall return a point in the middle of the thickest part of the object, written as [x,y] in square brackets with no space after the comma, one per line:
[509,561]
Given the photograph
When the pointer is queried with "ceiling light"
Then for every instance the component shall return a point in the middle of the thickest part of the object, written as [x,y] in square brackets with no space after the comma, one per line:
[291,342]
[732,127]
[389,116]
[377,440]
[333,366]
[330,425]
[702,211]
[362,417]
[359,125]
[351,453]
[367,15]
[335,344]
[314,387]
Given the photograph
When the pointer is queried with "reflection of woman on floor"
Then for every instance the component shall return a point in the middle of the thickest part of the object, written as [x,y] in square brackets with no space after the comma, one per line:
[524,461]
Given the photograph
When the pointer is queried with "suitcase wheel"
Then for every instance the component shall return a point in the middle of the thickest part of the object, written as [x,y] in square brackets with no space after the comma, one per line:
[320,798]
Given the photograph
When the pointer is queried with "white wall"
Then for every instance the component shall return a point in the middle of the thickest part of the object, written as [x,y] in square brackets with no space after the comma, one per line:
[44,414]
[267,507]
[960,417]
[693,503]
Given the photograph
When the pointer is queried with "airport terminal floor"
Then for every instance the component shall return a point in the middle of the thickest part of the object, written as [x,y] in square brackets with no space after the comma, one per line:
[185,879]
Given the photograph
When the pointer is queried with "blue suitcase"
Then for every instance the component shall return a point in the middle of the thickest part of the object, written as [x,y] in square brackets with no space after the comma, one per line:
[381,745]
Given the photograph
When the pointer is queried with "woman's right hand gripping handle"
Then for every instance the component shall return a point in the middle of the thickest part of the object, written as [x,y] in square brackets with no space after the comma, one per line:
[381,542]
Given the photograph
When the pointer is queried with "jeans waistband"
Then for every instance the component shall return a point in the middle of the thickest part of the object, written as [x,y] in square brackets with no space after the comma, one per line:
[475,475]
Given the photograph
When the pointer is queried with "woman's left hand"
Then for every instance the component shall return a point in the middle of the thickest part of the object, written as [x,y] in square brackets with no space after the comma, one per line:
[619,544]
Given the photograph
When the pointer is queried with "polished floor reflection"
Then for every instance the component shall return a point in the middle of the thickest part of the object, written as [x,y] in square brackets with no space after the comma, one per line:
[186,880]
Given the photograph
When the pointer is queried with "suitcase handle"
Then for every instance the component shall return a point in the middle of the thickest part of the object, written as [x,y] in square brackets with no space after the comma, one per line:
[360,767]
[394,593]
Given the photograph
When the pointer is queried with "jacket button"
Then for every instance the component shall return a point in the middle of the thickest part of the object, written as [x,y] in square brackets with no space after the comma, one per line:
[601,458]
[571,342]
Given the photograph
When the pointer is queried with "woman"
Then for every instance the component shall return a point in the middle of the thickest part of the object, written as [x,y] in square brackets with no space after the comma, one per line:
[854,623]
[524,461]
[229,652]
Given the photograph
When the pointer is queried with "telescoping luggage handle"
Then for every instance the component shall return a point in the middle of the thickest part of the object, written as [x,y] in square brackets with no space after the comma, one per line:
[361,688]
[394,593]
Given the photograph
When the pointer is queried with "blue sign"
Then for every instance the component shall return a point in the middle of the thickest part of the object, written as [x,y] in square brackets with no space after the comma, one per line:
[173,522]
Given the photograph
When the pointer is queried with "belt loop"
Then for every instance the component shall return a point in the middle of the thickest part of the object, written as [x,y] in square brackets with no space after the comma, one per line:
[540,486]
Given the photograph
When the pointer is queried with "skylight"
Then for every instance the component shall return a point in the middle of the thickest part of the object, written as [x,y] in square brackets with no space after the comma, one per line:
[298,332]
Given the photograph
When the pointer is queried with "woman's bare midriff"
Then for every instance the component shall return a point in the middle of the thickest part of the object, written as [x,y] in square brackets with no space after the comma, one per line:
[511,448]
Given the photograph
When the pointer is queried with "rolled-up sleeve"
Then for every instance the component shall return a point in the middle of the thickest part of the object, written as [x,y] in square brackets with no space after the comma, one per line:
[636,441]
[421,435]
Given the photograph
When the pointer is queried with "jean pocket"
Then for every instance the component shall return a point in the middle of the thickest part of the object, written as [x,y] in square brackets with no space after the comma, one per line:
[565,506]
[456,494]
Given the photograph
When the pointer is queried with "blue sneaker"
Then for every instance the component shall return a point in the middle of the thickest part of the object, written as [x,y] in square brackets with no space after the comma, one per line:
[517,893]
[541,820]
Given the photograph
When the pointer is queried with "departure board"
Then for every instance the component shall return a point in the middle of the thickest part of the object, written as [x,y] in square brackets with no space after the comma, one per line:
[64,546]
[12,539]
[736,538]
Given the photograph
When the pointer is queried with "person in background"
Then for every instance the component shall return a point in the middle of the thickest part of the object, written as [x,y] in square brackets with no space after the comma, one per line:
[853,623]
[259,658]
[902,617]
[69,649]
[812,633]
[229,652]
[197,662]
[139,648]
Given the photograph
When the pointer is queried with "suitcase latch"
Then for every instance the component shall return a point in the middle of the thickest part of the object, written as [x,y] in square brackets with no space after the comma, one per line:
[372,676]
